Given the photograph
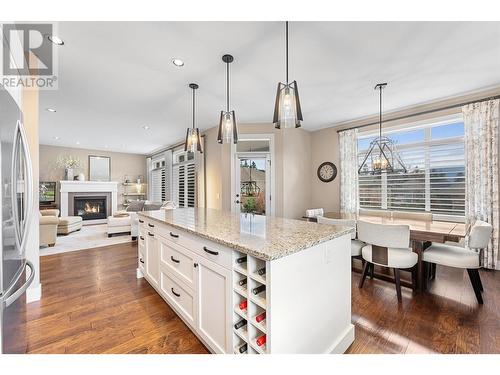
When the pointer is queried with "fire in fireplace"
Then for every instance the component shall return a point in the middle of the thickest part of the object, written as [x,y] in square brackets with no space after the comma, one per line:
[90,208]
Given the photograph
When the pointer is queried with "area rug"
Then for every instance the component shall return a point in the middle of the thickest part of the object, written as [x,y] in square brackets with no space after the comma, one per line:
[88,237]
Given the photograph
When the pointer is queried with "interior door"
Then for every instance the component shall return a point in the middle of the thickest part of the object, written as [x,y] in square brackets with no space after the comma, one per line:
[252,184]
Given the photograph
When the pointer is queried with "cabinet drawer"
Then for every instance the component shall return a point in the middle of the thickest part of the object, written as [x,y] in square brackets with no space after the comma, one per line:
[208,249]
[179,261]
[215,252]
[181,298]
[142,222]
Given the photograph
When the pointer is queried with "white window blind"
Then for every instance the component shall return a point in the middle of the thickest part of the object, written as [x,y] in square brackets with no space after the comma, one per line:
[158,181]
[434,155]
[184,179]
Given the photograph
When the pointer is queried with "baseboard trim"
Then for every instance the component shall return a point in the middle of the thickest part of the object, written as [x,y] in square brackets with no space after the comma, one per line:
[344,342]
[34,293]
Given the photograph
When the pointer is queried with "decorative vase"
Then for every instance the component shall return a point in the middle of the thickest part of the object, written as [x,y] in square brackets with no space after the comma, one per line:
[81,177]
[69,174]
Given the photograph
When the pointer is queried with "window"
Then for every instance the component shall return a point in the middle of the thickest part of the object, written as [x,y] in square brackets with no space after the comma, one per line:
[253,145]
[157,181]
[184,179]
[434,155]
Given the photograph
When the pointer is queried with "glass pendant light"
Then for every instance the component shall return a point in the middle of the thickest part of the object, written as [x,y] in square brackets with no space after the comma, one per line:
[287,112]
[228,131]
[382,154]
[193,139]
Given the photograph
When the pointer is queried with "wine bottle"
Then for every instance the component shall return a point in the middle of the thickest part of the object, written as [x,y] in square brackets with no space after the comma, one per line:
[241,260]
[262,271]
[242,282]
[243,305]
[259,289]
[240,324]
[259,318]
[243,348]
[261,340]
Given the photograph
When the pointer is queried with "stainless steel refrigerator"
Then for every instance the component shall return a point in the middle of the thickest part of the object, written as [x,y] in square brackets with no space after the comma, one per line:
[16,195]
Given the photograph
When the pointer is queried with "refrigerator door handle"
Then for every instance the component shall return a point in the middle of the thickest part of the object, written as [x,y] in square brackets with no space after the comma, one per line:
[10,299]
[28,185]
[14,160]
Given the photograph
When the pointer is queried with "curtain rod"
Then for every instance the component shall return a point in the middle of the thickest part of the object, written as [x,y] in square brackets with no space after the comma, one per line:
[423,113]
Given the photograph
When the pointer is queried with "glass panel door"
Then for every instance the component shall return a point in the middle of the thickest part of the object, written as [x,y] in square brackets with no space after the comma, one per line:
[252,194]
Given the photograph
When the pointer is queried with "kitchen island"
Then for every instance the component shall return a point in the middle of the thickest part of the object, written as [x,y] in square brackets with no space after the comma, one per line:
[251,284]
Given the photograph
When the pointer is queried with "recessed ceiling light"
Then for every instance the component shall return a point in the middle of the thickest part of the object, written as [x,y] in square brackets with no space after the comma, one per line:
[56,40]
[50,109]
[145,127]
[177,62]
[56,138]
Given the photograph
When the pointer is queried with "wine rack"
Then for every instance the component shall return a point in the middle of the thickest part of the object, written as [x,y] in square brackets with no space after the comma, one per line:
[256,304]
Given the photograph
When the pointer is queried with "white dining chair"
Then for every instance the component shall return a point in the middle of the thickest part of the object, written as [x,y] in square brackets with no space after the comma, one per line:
[387,246]
[425,216]
[458,256]
[356,245]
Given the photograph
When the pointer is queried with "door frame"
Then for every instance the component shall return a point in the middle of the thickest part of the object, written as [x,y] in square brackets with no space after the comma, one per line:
[271,155]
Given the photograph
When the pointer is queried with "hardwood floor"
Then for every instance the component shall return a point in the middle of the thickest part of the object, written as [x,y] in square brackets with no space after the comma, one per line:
[93,303]
[445,319]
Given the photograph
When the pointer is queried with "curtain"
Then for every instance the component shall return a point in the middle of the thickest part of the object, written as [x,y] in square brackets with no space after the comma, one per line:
[481,122]
[349,197]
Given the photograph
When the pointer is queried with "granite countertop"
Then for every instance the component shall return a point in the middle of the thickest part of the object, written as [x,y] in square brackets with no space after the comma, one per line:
[263,237]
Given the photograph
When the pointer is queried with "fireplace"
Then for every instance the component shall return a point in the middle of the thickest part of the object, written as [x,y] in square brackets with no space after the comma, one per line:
[90,207]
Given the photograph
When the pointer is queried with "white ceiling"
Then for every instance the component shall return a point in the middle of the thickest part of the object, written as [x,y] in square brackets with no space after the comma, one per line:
[116,77]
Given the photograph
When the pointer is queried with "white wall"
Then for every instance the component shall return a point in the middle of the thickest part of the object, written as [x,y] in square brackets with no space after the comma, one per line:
[296,172]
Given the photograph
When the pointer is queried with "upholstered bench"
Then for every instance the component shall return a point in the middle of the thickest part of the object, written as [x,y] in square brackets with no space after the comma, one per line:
[69,224]
[119,225]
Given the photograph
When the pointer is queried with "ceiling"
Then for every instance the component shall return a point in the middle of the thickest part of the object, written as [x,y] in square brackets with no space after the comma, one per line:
[116,77]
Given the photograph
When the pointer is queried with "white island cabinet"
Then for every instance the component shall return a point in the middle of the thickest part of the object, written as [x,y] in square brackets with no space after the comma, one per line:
[206,264]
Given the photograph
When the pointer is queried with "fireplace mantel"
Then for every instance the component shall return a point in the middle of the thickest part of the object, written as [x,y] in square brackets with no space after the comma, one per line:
[67,187]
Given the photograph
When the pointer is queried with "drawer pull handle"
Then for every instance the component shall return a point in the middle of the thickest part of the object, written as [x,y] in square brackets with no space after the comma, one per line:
[210,251]
[174,260]
[140,260]
[151,225]
[141,237]
[151,234]
[141,221]
[174,235]
[173,292]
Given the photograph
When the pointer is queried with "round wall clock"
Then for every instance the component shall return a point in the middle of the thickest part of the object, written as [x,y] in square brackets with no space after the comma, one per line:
[327,171]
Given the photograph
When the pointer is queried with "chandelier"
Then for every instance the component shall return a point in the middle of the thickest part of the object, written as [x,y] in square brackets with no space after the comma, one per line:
[250,188]
[382,154]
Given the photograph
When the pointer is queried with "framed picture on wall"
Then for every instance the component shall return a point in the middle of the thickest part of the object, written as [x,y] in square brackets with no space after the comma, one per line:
[99,168]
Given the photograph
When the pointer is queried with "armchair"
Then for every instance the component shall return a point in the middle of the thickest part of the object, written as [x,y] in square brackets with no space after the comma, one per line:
[48,227]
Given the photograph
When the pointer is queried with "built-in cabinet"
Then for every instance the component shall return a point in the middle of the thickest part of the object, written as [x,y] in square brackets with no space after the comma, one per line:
[197,287]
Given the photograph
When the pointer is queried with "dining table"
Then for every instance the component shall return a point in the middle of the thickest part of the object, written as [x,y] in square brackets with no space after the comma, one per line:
[422,234]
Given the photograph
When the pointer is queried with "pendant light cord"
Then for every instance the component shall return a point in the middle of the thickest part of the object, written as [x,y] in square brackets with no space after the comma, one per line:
[380,113]
[227,86]
[286,48]
[193,108]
